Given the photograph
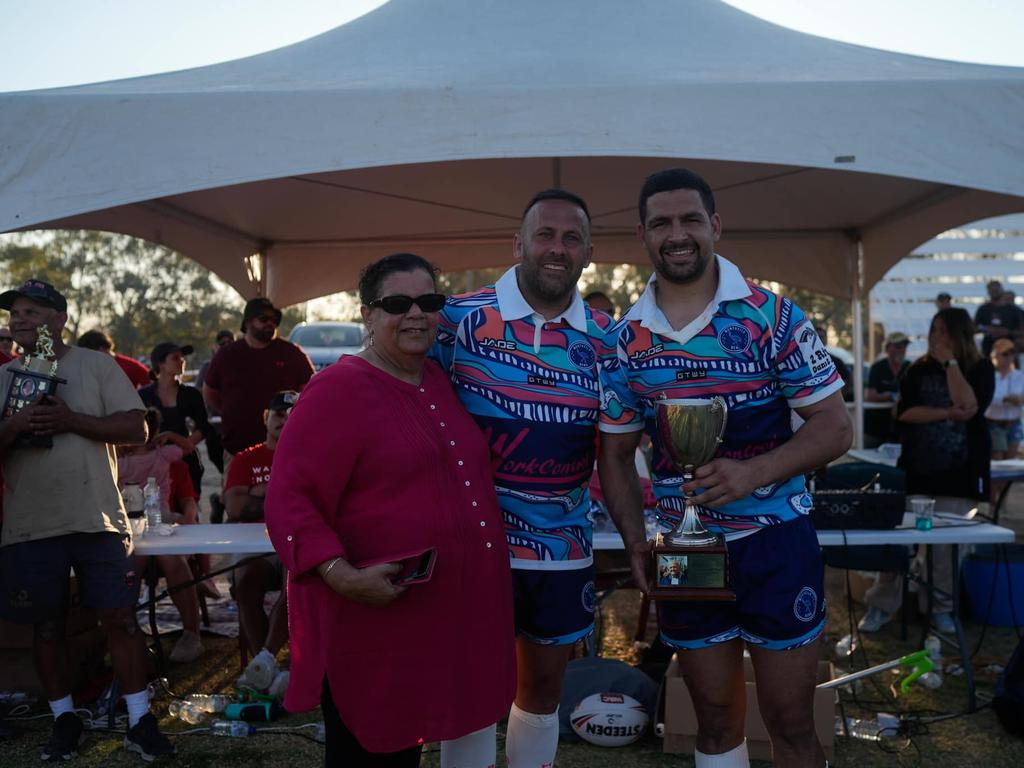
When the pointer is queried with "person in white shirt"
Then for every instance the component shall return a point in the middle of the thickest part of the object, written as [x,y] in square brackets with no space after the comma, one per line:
[1003,415]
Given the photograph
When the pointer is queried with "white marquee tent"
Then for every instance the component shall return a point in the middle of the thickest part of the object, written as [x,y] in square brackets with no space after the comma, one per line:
[426,125]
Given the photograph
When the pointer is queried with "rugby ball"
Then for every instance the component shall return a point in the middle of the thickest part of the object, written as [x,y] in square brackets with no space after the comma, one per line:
[609,719]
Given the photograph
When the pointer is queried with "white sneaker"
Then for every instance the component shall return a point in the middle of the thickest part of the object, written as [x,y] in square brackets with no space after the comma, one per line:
[873,620]
[260,673]
[280,685]
[188,648]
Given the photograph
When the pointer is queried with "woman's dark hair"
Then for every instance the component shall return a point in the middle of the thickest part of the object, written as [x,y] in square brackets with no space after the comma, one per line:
[96,340]
[373,275]
[960,328]
[154,419]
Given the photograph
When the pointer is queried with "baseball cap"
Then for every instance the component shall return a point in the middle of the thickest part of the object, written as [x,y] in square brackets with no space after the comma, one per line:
[39,292]
[256,307]
[164,348]
[897,338]
[224,333]
[283,400]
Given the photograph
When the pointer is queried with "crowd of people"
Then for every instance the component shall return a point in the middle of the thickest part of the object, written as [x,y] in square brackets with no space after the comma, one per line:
[428,498]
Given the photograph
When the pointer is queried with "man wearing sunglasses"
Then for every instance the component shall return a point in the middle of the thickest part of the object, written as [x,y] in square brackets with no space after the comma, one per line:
[523,358]
[245,374]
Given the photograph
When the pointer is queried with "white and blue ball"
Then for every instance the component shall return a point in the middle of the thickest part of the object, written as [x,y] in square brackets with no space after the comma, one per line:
[609,719]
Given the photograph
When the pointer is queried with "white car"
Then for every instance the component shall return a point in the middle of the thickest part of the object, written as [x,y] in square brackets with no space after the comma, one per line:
[325,343]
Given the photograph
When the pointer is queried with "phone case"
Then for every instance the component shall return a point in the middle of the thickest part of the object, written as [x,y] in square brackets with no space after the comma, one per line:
[409,561]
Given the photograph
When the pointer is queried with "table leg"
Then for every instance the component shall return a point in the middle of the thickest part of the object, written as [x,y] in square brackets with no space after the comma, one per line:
[152,580]
[965,656]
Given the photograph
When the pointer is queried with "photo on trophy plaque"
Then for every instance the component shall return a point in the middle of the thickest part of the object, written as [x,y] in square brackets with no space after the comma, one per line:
[25,387]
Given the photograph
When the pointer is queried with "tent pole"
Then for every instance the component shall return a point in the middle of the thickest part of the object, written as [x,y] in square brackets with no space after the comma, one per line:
[858,346]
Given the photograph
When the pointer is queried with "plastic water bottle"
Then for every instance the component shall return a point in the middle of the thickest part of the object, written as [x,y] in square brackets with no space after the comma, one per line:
[209,702]
[845,646]
[234,728]
[151,505]
[933,679]
[186,711]
[865,730]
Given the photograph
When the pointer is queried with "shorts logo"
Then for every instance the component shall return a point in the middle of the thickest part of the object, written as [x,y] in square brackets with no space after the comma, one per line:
[765,491]
[582,355]
[806,604]
[589,597]
[734,338]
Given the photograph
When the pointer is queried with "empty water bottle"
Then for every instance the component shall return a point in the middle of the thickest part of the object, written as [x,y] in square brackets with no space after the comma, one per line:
[845,646]
[209,702]
[234,728]
[186,711]
[933,679]
[151,505]
[866,730]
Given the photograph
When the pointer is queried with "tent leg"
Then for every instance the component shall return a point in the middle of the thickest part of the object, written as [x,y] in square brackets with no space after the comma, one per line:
[858,346]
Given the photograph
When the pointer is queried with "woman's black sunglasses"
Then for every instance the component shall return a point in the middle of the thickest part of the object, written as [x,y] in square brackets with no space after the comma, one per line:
[400,304]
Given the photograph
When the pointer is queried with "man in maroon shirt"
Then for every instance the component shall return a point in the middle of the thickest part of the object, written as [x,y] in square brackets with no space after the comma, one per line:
[245,374]
[133,369]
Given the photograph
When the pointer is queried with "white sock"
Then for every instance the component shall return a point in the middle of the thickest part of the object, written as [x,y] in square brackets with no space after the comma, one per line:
[60,706]
[531,740]
[736,757]
[138,705]
[474,750]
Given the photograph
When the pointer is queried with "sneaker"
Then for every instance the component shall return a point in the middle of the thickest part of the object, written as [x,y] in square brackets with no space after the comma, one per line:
[873,620]
[943,622]
[280,685]
[259,674]
[65,739]
[188,648]
[146,739]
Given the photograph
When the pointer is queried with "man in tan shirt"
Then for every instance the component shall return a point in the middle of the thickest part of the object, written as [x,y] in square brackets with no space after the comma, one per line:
[62,509]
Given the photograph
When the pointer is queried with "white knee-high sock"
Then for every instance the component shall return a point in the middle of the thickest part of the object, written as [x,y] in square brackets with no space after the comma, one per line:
[474,750]
[532,740]
[736,757]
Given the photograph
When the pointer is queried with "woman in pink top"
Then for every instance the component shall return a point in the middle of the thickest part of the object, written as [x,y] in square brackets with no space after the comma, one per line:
[379,460]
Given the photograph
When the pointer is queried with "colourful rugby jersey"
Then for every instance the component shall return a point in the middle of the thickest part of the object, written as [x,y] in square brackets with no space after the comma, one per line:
[750,346]
[533,387]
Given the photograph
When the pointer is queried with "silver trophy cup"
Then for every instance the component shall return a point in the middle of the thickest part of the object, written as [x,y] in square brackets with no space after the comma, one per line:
[690,431]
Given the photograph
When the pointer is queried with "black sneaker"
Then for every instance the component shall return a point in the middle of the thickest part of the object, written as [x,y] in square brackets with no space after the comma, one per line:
[146,739]
[65,739]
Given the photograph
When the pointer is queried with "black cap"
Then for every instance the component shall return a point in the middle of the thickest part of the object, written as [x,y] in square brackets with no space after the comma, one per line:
[39,292]
[943,297]
[164,348]
[283,400]
[224,333]
[256,307]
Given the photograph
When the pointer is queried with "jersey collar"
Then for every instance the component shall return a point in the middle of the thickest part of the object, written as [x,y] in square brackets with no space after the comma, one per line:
[731,286]
[514,307]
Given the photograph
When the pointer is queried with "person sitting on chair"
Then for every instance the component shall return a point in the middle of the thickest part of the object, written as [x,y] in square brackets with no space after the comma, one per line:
[245,489]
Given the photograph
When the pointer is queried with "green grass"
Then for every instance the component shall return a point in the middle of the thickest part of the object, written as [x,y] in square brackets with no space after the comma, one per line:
[977,739]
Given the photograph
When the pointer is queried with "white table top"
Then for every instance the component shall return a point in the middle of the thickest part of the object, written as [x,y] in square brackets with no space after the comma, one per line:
[252,537]
[226,538]
[948,529]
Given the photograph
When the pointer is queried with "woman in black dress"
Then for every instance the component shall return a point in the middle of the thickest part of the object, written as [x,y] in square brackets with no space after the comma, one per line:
[181,407]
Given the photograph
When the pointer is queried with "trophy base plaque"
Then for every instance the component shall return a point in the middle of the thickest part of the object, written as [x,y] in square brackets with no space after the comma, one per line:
[26,386]
[690,571]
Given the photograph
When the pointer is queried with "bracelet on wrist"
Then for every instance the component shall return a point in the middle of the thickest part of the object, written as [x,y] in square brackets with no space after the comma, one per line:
[330,565]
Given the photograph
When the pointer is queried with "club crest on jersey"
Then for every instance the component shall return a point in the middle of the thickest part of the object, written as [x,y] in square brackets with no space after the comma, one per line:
[734,338]
[582,355]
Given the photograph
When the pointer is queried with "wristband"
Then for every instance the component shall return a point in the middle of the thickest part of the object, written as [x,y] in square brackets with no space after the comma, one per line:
[951,363]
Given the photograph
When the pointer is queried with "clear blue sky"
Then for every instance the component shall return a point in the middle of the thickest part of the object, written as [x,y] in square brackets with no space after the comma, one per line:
[46,43]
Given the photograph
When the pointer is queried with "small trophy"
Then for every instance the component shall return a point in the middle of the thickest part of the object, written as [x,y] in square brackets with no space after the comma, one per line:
[37,375]
[690,563]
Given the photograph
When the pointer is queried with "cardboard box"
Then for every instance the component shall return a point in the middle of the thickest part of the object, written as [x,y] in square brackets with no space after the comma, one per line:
[681,719]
